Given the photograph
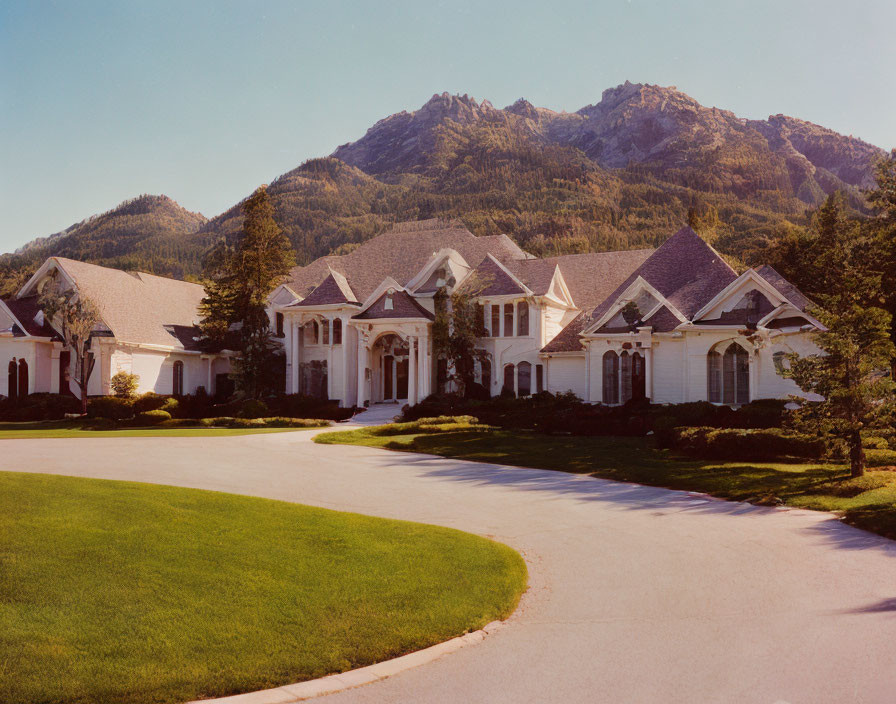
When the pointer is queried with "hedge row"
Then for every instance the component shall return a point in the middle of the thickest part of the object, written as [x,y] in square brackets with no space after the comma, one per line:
[567,414]
[767,444]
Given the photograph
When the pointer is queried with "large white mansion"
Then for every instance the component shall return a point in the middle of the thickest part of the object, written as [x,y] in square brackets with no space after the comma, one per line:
[673,324]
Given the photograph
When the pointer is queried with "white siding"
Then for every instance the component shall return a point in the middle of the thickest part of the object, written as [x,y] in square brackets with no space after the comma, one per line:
[566,374]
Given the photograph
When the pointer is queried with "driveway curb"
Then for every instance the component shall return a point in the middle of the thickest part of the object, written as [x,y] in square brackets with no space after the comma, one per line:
[355,678]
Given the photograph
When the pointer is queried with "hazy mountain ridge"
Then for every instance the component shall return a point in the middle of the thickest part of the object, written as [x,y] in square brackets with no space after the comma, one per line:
[621,173]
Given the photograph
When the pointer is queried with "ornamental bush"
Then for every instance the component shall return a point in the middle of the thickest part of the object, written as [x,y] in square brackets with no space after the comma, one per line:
[152,417]
[40,406]
[110,407]
[124,384]
[756,445]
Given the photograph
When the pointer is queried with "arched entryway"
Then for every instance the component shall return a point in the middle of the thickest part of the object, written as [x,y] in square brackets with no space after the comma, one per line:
[391,366]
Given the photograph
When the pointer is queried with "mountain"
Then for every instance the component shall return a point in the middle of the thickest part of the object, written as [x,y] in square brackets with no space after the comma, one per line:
[621,173]
[150,233]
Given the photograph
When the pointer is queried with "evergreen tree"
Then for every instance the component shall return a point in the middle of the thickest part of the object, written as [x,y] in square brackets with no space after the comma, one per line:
[852,373]
[240,279]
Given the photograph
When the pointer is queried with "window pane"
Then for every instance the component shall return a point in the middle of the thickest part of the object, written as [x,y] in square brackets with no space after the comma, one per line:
[742,371]
[611,378]
[496,321]
[508,379]
[728,375]
[326,328]
[487,375]
[539,378]
[714,376]
[480,319]
[508,320]
[625,364]
[522,318]
[337,332]
[524,379]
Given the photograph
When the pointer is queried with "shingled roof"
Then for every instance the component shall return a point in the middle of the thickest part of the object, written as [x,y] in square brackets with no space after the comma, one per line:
[138,307]
[784,287]
[25,310]
[401,253]
[403,306]
[333,290]
[685,270]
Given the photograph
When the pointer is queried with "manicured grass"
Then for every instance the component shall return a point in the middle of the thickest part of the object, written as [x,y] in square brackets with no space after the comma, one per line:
[813,486]
[74,429]
[123,592]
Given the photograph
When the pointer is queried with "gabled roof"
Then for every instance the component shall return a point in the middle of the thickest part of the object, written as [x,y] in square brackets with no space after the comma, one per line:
[136,307]
[685,271]
[497,280]
[24,311]
[593,276]
[784,287]
[403,306]
[401,253]
[333,290]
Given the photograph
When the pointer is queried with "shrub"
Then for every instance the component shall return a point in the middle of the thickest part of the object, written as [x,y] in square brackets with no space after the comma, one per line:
[252,408]
[153,417]
[767,444]
[110,407]
[37,407]
[875,443]
[124,384]
[301,406]
[99,424]
[149,402]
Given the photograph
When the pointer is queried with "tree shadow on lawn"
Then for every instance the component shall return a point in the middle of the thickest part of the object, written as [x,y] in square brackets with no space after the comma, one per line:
[653,472]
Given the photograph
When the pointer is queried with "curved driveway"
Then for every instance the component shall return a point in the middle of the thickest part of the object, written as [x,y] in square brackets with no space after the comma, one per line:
[636,594]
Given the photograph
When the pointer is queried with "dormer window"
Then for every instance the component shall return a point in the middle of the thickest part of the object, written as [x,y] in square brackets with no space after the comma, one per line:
[387,303]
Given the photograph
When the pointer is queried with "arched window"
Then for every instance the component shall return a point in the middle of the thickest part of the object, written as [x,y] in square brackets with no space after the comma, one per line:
[12,389]
[728,375]
[611,377]
[508,379]
[177,378]
[325,326]
[508,319]
[278,319]
[524,379]
[23,378]
[486,379]
[522,323]
[337,331]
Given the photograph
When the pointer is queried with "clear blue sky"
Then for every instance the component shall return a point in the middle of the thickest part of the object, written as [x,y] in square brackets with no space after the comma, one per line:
[203,101]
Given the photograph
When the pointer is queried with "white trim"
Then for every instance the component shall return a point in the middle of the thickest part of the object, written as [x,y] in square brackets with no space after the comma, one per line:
[434,261]
[526,289]
[384,286]
[750,274]
[627,295]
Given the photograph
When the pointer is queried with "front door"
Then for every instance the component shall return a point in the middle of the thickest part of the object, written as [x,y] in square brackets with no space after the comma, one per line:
[401,372]
[387,377]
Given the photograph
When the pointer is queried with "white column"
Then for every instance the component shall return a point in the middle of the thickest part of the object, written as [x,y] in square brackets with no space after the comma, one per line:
[421,367]
[412,372]
[362,365]
[648,373]
[394,378]
[344,332]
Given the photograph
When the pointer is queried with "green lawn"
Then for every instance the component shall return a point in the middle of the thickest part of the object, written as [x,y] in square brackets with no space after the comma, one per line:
[74,429]
[123,592]
[813,486]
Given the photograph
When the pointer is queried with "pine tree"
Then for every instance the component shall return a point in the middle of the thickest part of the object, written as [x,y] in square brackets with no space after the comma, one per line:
[240,279]
[852,373]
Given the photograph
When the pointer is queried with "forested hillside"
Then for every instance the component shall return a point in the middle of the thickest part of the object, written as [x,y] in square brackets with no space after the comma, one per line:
[623,173]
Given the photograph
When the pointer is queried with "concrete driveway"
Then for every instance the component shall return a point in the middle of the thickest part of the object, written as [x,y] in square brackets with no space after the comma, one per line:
[636,594]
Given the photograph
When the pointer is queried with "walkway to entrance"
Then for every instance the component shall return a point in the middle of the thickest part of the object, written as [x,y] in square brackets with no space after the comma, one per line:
[378,414]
